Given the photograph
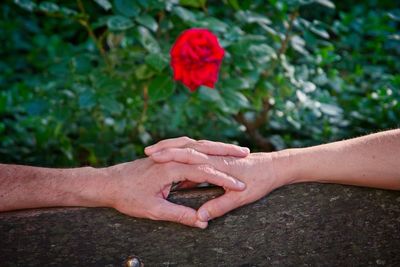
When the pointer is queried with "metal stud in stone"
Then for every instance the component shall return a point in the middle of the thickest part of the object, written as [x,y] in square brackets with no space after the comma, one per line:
[133,261]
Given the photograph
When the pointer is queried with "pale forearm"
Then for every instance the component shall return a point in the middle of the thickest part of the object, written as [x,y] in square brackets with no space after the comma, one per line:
[372,161]
[24,187]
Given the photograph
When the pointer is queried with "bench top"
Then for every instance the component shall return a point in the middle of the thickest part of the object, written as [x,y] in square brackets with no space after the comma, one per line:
[303,224]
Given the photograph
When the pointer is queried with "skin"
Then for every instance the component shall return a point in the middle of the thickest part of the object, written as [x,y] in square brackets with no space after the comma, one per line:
[371,161]
[137,188]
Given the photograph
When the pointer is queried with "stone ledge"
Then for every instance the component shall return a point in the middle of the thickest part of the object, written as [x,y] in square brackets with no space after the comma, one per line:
[306,224]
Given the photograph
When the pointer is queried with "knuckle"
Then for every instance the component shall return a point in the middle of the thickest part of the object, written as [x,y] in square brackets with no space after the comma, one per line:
[208,169]
[163,142]
[182,217]
[226,162]
[185,138]
[203,142]
[191,151]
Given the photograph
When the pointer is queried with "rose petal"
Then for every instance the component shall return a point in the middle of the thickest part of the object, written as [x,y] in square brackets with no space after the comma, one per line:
[196,58]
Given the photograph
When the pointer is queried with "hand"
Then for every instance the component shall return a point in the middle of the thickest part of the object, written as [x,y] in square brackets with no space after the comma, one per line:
[193,146]
[140,188]
[256,171]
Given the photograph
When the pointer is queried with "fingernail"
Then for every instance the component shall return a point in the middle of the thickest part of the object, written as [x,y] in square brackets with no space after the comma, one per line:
[202,225]
[203,215]
[240,184]
[245,149]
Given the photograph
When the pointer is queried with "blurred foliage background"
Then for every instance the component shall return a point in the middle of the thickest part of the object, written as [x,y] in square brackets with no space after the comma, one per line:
[89,82]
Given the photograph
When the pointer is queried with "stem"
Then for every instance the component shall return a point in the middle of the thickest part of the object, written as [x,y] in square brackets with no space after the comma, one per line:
[142,118]
[145,103]
[204,8]
[161,16]
[262,117]
[285,41]
[85,23]
[283,46]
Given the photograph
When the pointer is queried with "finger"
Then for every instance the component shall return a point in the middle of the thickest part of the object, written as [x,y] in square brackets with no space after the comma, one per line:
[203,146]
[167,143]
[219,149]
[218,206]
[183,155]
[185,185]
[177,213]
[202,173]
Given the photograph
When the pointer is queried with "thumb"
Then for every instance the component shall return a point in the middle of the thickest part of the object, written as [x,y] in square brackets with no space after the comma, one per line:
[179,214]
[218,206]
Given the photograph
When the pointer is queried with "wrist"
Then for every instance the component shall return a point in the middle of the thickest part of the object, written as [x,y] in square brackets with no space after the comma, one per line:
[94,187]
[285,166]
[299,165]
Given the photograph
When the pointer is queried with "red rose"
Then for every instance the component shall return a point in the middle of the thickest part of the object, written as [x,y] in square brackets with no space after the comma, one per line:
[196,57]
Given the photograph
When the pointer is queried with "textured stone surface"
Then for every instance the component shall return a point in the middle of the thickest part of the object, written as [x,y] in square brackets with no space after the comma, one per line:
[298,225]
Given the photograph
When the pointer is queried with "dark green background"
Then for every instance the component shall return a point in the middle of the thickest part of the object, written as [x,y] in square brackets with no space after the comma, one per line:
[89,82]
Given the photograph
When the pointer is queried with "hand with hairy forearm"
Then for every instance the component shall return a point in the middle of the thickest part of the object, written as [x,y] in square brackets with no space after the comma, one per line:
[137,188]
[372,161]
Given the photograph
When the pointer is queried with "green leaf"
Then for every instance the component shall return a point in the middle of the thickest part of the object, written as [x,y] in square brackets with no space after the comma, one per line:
[326,3]
[213,24]
[235,100]
[105,4]
[148,22]
[87,100]
[252,17]
[320,32]
[298,44]
[49,7]
[184,14]
[236,84]
[161,88]
[26,4]
[36,107]
[3,103]
[241,47]
[193,3]
[147,40]
[394,15]
[81,63]
[157,61]
[330,109]
[209,95]
[67,11]
[261,52]
[2,127]
[111,105]
[234,4]
[128,8]
[119,23]
[143,72]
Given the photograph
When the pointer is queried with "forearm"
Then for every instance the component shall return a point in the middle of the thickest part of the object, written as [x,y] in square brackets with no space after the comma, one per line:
[24,187]
[372,161]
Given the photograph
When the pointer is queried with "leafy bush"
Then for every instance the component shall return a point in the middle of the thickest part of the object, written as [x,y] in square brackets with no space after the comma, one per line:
[89,82]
